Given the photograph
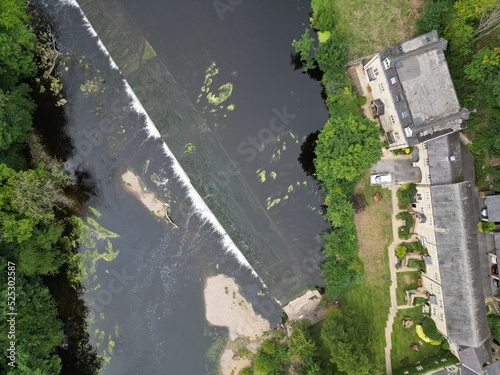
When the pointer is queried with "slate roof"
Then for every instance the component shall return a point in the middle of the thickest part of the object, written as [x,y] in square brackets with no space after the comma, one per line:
[457,247]
[442,168]
[493,205]
[473,359]
[425,88]
[493,369]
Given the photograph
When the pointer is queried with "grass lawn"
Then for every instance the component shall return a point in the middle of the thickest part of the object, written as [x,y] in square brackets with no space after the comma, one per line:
[403,338]
[371,295]
[371,25]
[406,281]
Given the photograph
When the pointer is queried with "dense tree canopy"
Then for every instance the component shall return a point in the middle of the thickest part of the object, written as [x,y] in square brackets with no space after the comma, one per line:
[346,148]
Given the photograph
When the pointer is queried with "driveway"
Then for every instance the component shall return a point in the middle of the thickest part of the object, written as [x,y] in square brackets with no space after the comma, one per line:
[400,167]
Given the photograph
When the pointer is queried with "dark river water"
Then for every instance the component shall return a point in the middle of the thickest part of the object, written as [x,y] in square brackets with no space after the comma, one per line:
[203,104]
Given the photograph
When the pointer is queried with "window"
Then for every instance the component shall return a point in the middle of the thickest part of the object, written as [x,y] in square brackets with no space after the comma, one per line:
[431,286]
[387,63]
[440,303]
[419,196]
[393,80]
[433,311]
[441,317]
[375,72]
[404,114]
[399,97]
[436,276]
[438,290]
[392,119]
[427,195]
[381,86]
[430,221]
[428,206]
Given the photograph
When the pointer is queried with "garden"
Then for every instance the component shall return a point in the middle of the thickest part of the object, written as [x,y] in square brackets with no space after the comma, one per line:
[410,350]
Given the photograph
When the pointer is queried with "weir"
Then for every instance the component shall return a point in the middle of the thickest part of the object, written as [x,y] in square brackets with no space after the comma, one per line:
[244,226]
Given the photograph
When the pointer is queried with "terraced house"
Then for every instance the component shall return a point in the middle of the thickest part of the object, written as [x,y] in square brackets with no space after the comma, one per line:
[411,94]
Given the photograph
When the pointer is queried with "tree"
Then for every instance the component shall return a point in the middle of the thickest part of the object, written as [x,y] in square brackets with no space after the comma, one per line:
[304,47]
[16,44]
[301,346]
[16,109]
[346,148]
[347,335]
[38,331]
[431,18]
[406,195]
[338,276]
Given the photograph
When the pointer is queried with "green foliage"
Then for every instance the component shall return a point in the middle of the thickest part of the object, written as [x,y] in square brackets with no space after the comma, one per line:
[430,363]
[246,371]
[331,55]
[15,116]
[362,100]
[417,264]
[401,251]
[431,18]
[338,276]
[16,44]
[346,148]
[301,345]
[406,195]
[347,337]
[38,331]
[430,330]
[486,226]
[494,325]
[304,47]
[273,359]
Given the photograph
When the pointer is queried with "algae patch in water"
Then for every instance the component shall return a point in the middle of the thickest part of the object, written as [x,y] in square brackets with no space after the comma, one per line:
[224,92]
[102,232]
[261,174]
[189,148]
[95,212]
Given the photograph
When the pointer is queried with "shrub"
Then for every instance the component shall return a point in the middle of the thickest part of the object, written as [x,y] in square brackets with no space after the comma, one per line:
[486,226]
[401,250]
[418,264]
[404,232]
[406,216]
[362,100]
[431,331]
[494,324]
[358,202]
[246,371]
[406,194]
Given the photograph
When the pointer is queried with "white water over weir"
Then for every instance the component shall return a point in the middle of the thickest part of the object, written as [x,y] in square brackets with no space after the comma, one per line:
[201,208]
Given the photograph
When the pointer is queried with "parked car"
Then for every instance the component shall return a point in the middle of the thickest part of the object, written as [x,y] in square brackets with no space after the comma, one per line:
[496,283]
[494,269]
[379,179]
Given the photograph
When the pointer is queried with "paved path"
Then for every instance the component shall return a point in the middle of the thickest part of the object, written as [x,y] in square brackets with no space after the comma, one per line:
[392,267]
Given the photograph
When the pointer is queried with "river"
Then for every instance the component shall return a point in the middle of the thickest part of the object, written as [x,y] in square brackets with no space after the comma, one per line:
[208,111]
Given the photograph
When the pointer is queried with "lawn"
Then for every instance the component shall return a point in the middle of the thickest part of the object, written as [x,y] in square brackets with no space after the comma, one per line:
[370,26]
[403,338]
[406,281]
[374,230]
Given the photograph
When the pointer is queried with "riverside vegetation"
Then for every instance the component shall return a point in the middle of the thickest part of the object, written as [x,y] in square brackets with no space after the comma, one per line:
[37,231]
